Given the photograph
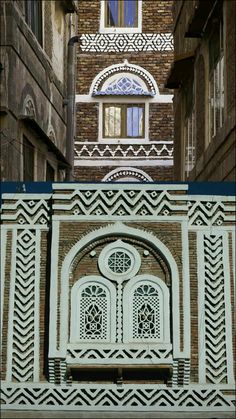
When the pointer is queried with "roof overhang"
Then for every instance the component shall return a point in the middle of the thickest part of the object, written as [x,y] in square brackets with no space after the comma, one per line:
[197,24]
[180,70]
[29,120]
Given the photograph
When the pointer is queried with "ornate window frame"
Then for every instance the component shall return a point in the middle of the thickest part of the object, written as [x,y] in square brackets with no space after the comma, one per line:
[164,308]
[104,29]
[122,248]
[75,325]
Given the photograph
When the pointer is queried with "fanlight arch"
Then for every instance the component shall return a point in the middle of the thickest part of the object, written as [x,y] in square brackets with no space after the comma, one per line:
[141,75]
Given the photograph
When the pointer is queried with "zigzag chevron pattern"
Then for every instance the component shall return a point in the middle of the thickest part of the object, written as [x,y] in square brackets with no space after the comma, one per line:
[136,42]
[215,351]
[94,202]
[24,308]
[151,151]
[111,397]
[121,355]
[27,211]
[210,213]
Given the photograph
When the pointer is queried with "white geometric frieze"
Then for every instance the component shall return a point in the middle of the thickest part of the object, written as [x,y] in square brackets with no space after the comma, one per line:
[135,397]
[147,151]
[137,42]
[26,209]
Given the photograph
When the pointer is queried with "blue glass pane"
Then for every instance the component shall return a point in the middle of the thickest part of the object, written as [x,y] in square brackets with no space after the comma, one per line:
[130,12]
[134,121]
[112,12]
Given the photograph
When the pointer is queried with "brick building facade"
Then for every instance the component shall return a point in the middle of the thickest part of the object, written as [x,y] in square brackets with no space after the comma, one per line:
[203,76]
[118,298]
[34,37]
[122,71]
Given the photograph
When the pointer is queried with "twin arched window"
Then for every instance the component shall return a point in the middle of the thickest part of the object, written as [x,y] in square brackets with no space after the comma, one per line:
[145,309]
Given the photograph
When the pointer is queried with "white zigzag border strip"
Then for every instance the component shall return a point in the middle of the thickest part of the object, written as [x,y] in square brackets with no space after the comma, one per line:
[120,42]
[85,150]
[112,397]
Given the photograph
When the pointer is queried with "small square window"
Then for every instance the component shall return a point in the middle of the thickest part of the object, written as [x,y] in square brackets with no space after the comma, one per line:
[121,16]
[123,121]
[121,13]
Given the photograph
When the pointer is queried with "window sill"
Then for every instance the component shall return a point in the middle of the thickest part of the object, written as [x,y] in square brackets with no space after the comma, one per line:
[120,30]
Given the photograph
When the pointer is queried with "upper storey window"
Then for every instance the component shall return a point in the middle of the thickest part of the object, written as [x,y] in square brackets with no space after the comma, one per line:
[33,17]
[123,120]
[121,13]
[120,16]
[216,80]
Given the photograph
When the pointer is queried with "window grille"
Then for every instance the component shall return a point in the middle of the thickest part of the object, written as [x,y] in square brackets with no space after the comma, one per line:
[93,317]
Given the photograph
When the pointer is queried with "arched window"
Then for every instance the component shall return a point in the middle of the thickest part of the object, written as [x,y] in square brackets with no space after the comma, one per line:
[91,310]
[146,310]
[124,92]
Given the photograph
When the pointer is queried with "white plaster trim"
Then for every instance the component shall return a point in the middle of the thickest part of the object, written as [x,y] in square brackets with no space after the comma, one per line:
[11,306]
[24,226]
[3,263]
[37,304]
[22,197]
[141,163]
[117,228]
[141,175]
[234,261]
[54,290]
[228,317]
[164,309]
[201,309]
[147,397]
[186,290]
[104,29]
[159,98]
[75,309]
[157,187]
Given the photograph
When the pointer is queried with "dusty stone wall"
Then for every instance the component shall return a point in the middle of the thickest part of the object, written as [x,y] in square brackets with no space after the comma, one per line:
[215,158]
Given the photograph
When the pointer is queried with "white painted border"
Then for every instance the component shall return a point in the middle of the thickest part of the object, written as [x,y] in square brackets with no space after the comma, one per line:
[186,290]
[228,317]
[104,29]
[117,228]
[121,163]
[106,186]
[37,304]
[201,309]
[53,352]
[160,98]
[11,306]
[41,396]
[3,263]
